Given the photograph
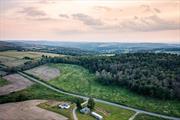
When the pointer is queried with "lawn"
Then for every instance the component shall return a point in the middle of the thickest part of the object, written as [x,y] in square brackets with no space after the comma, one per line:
[22,54]
[3,82]
[147,117]
[77,79]
[65,112]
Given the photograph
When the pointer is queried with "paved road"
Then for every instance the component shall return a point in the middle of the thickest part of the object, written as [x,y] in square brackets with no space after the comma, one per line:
[99,100]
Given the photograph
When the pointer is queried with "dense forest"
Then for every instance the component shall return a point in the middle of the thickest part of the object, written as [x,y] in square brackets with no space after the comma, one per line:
[154,75]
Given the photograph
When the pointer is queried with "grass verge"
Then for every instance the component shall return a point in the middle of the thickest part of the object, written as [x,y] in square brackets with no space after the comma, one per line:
[147,117]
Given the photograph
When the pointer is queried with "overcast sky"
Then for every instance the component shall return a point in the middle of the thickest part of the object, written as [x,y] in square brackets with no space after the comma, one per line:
[91,20]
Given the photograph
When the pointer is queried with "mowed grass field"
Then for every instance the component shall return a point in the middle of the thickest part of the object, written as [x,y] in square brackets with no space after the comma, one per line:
[77,79]
[22,54]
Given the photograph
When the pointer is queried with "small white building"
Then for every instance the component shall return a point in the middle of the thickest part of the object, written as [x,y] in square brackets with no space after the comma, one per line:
[97,116]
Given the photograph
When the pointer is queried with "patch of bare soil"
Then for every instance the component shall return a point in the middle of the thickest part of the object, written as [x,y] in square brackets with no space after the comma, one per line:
[16,83]
[44,72]
[27,110]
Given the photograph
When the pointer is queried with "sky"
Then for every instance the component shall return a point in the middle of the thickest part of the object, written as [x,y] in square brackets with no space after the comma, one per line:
[156,21]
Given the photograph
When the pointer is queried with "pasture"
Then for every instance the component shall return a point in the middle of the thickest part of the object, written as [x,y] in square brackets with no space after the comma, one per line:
[78,80]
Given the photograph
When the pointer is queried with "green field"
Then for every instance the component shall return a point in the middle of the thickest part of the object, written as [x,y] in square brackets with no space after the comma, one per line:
[77,79]
[147,117]
[3,82]
[36,91]
[22,54]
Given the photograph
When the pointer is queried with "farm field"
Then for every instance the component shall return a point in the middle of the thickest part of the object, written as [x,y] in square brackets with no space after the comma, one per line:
[22,54]
[72,75]
[27,110]
[16,83]
[11,62]
[44,72]
[147,117]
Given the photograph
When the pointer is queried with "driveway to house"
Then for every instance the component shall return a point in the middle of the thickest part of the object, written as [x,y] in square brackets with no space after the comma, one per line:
[98,100]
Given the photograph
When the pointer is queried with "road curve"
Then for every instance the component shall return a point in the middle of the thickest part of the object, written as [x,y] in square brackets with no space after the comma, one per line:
[99,100]
[74,113]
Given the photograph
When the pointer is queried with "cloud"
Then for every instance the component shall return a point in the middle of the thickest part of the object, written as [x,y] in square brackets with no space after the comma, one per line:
[87,20]
[102,8]
[157,10]
[151,23]
[63,16]
[143,24]
[146,8]
[32,11]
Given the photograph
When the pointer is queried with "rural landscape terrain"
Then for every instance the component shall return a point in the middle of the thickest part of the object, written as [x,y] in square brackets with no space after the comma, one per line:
[141,85]
[89,59]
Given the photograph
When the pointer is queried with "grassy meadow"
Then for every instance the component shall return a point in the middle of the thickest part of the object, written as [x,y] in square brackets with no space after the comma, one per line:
[77,79]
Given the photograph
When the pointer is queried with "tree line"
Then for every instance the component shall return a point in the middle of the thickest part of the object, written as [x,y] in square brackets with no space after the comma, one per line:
[150,74]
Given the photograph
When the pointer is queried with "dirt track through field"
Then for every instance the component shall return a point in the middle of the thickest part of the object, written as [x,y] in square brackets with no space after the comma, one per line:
[16,83]
[44,72]
[27,110]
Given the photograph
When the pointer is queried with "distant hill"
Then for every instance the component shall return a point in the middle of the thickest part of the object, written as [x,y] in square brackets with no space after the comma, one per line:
[113,47]
[100,47]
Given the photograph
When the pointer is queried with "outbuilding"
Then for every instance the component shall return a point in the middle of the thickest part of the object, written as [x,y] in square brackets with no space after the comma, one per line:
[97,116]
